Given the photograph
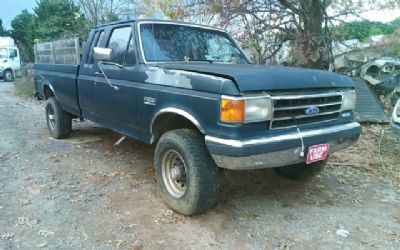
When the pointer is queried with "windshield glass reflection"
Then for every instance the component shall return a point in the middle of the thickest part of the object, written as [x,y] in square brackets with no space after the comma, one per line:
[169,42]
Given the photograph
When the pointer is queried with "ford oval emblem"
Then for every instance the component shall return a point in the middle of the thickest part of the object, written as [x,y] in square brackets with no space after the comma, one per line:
[312,111]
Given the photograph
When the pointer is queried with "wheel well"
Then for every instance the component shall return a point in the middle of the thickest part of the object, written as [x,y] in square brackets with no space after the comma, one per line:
[167,122]
[47,92]
[10,69]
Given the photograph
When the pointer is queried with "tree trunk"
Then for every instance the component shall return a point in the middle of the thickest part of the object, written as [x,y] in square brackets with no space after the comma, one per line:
[310,40]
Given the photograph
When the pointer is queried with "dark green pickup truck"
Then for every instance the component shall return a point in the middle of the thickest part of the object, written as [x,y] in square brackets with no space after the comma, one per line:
[192,91]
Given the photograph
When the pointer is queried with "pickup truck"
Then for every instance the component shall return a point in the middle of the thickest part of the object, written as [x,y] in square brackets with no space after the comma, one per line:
[191,91]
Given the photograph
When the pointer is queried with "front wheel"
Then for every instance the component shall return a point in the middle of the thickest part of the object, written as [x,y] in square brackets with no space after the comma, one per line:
[59,122]
[301,171]
[185,172]
[8,76]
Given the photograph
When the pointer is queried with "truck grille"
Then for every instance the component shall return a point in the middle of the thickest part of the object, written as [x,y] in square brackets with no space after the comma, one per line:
[290,110]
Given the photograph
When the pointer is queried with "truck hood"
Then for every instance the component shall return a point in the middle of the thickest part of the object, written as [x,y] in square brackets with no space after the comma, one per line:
[250,77]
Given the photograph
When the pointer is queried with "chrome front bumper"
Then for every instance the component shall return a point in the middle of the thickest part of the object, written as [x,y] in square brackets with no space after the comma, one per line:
[288,145]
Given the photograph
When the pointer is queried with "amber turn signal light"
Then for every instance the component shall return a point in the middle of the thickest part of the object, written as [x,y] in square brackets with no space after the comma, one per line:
[232,111]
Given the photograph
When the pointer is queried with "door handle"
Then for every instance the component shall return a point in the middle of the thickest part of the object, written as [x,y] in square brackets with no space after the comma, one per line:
[98,73]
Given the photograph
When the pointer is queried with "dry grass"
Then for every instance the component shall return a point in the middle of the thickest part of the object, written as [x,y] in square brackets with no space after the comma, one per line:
[24,87]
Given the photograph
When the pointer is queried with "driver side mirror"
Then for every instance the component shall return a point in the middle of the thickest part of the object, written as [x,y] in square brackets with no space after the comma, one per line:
[102,54]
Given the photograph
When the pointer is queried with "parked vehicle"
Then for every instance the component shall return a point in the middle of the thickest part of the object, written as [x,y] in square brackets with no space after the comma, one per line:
[10,60]
[192,91]
[395,123]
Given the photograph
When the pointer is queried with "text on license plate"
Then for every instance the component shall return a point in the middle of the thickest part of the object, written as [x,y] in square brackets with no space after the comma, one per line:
[317,153]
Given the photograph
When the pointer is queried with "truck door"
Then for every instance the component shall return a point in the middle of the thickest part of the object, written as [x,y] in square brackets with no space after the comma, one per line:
[15,59]
[87,76]
[117,108]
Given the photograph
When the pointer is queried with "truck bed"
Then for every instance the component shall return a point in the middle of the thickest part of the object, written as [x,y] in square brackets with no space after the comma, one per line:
[62,80]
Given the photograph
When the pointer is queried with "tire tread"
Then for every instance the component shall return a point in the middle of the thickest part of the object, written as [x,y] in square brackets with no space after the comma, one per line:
[205,173]
[63,120]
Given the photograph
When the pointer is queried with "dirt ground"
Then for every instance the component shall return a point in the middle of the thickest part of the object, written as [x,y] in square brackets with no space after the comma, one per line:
[69,194]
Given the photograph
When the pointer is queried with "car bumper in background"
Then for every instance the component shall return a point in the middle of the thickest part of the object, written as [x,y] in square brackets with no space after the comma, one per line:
[395,121]
[395,127]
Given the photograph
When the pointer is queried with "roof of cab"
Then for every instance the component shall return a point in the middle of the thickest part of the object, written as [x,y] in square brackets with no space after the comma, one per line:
[156,21]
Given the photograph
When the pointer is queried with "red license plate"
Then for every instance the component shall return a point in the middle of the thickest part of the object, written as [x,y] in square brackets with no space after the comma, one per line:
[317,153]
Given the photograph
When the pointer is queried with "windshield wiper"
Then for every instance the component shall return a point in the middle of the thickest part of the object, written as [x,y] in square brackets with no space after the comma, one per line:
[209,61]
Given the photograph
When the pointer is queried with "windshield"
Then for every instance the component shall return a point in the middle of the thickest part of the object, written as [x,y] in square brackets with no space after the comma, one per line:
[3,53]
[170,42]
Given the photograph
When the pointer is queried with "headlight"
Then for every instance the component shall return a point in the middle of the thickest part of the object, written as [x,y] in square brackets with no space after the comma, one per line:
[349,100]
[245,109]
[396,113]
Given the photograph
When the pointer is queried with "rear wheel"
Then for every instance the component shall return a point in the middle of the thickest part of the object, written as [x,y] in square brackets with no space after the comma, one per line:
[8,75]
[186,174]
[59,122]
[301,171]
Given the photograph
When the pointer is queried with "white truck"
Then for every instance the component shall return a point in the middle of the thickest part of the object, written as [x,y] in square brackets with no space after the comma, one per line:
[10,60]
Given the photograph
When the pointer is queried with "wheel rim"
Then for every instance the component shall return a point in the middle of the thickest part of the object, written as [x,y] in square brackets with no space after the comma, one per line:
[51,117]
[174,173]
[8,75]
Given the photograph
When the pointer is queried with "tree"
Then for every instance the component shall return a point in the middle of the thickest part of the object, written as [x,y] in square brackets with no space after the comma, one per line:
[23,31]
[3,31]
[265,25]
[104,11]
[97,11]
[52,19]
[396,23]
[57,19]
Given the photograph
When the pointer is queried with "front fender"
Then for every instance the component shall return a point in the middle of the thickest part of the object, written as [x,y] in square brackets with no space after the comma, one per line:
[174,111]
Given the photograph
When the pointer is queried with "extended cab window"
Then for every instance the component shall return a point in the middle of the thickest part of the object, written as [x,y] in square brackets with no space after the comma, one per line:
[119,41]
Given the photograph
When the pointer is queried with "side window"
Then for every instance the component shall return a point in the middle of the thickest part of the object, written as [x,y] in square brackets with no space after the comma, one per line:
[100,38]
[13,53]
[130,58]
[118,43]
[97,42]
[89,58]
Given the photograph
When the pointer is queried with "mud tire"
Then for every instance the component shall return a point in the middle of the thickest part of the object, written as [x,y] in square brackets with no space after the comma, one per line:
[201,173]
[8,76]
[58,121]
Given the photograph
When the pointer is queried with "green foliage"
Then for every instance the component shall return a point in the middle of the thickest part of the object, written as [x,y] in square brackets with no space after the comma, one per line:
[363,29]
[58,18]
[391,45]
[52,19]
[396,23]
[3,31]
[23,31]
